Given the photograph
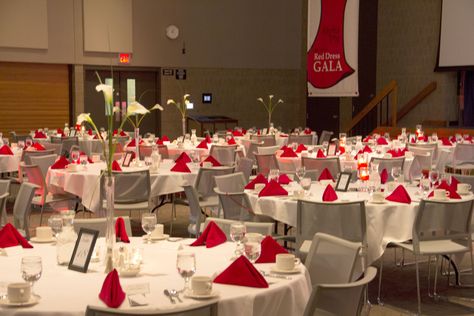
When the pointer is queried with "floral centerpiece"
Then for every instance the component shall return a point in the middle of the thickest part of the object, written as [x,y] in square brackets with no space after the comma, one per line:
[270,107]
[182,107]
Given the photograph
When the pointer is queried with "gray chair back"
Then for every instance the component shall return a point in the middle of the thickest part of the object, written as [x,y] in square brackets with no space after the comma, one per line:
[68,142]
[266,140]
[100,224]
[300,139]
[194,227]
[205,181]
[225,154]
[236,206]
[332,164]
[22,207]
[325,137]
[130,187]
[4,192]
[234,182]
[44,162]
[463,153]
[27,154]
[57,147]
[253,148]
[265,163]
[388,164]
[245,165]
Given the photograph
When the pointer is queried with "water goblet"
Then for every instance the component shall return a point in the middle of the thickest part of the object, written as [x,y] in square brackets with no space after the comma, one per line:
[75,154]
[305,184]
[396,173]
[29,142]
[148,161]
[31,269]
[83,161]
[237,234]
[300,172]
[325,145]
[434,177]
[148,225]
[186,265]
[252,249]
[425,186]
[56,224]
[273,174]
[21,144]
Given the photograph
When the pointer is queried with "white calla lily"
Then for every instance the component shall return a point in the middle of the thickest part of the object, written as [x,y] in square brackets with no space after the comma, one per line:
[270,106]
[83,117]
[157,107]
[107,90]
[135,108]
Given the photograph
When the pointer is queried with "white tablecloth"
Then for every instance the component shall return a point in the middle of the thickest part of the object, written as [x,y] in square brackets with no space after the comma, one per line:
[10,163]
[66,292]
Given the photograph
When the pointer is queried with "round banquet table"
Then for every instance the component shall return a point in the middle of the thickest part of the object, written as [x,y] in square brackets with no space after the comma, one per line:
[10,163]
[85,183]
[67,292]
[387,222]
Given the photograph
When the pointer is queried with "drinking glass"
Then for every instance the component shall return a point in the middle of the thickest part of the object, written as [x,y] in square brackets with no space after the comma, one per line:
[396,173]
[306,185]
[434,137]
[300,172]
[6,141]
[56,224]
[21,144]
[75,154]
[325,145]
[237,234]
[425,186]
[273,174]
[148,161]
[83,160]
[148,225]
[186,265]
[31,269]
[29,142]
[434,177]
[252,250]
[445,177]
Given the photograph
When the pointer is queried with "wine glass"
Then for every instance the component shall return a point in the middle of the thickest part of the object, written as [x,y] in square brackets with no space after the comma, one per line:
[306,184]
[425,186]
[396,173]
[75,154]
[237,234]
[300,171]
[21,144]
[252,250]
[434,177]
[31,269]
[186,265]
[56,224]
[29,142]
[148,225]
[273,174]
[83,160]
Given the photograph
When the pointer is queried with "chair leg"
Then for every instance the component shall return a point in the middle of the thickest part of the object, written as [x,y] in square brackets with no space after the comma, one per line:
[379,300]
[418,285]
[429,276]
[41,215]
[435,294]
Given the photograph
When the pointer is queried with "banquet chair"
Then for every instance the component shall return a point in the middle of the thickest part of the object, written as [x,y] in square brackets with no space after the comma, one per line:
[236,206]
[266,140]
[265,229]
[203,309]
[225,154]
[44,162]
[423,148]
[100,224]
[4,194]
[57,147]
[205,180]
[440,228]
[340,298]
[196,211]
[163,151]
[253,148]
[122,140]
[245,165]
[306,139]
[388,164]
[325,136]
[419,163]
[55,140]
[265,163]
[234,182]
[22,208]
[145,151]
[332,164]
[132,191]
[42,197]
[267,150]
[68,142]
[463,153]
[27,154]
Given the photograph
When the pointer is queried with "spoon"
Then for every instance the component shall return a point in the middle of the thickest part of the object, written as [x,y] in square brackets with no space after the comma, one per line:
[167,293]
[175,293]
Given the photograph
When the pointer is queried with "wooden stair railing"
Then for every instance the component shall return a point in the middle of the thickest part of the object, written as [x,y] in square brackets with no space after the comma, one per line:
[389,93]
[413,102]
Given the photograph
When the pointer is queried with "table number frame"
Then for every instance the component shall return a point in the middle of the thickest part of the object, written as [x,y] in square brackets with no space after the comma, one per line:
[127,159]
[81,256]
[343,181]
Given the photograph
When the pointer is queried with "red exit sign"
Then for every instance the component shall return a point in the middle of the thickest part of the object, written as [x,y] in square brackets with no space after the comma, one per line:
[124,58]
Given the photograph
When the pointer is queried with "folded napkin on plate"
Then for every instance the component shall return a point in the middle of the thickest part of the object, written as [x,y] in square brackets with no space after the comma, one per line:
[120,231]
[241,272]
[445,141]
[329,194]
[59,131]
[61,163]
[454,183]
[89,132]
[180,166]
[382,141]
[399,195]
[423,138]
[284,179]
[452,192]
[231,141]
[307,131]
[288,153]
[132,143]
[212,236]
[202,144]
[40,135]
[38,146]
[300,148]
[270,248]
[165,138]
[272,189]
[10,237]
[111,293]
[208,139]
[384,176]
[283,147]
[320,154]
[212,160]
[366,149]
[5,150]
[237,133]
[260,178]
[116,166]
[325,175]
[183,158]
[159,142]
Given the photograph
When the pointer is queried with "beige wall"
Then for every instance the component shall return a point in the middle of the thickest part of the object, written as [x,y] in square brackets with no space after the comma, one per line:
[407,47]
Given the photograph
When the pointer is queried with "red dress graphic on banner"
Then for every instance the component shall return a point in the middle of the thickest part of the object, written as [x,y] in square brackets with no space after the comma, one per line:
[326,59]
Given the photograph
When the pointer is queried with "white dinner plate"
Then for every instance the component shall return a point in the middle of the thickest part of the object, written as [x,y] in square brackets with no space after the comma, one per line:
[129,273]
[296,269]
[439,199]
[202,296]
[32,301]
[42,241]
[463,193]
[378,202]
[162,237]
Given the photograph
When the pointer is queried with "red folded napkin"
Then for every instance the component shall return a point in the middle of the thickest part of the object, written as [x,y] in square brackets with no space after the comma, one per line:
[38,146]
[132,142]
[383,176]
[165,138]
[40,135]
[61,163]
[452,192]
[231,141]
[115,132]
[84,154]
[180,166]
[272,189]
[237,133]
[329,194]
[122,133]
[289,153]
[366,149]
[89,132]
[325,175]
[283,147]
[120,231]
[454,183]
[202,144]
[283,135]
[399,195]
[241,272]
[60,132]
[260,178]
[212,236]
[446,141]
[212,160]
[320,154]
[159,142]
[341,150]
[365,140]
[5,150]
[270,248]
[111,293]
[300,148]
[423,138]
[116,166]
[283,179]
[183,158]
[208,139]
[382,141]
[394,153]
[10,237]
[96,136]
[307,131]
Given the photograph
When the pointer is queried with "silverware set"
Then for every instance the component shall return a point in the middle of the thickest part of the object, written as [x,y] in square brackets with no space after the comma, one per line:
[172,294]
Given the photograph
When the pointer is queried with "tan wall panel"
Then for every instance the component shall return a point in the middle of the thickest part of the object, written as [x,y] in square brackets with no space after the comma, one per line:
[33,96]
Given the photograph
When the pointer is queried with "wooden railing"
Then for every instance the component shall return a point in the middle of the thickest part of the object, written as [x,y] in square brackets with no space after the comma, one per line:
[377,111]
[413,102]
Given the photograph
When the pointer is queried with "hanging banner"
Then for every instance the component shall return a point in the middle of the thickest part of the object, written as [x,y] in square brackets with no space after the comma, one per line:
[333,30]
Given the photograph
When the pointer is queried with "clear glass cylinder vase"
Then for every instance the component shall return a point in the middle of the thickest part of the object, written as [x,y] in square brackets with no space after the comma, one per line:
[137,143]
[109,188]
[183,125]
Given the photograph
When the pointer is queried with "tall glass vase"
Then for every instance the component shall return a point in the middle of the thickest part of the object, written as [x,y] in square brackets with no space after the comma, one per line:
[109,187]
[183,125]
[137,143]
[269,121]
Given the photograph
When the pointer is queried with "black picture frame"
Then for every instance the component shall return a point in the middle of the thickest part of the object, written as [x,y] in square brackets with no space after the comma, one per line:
[81,256]
[72,132]
[127,159]
[343,181]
